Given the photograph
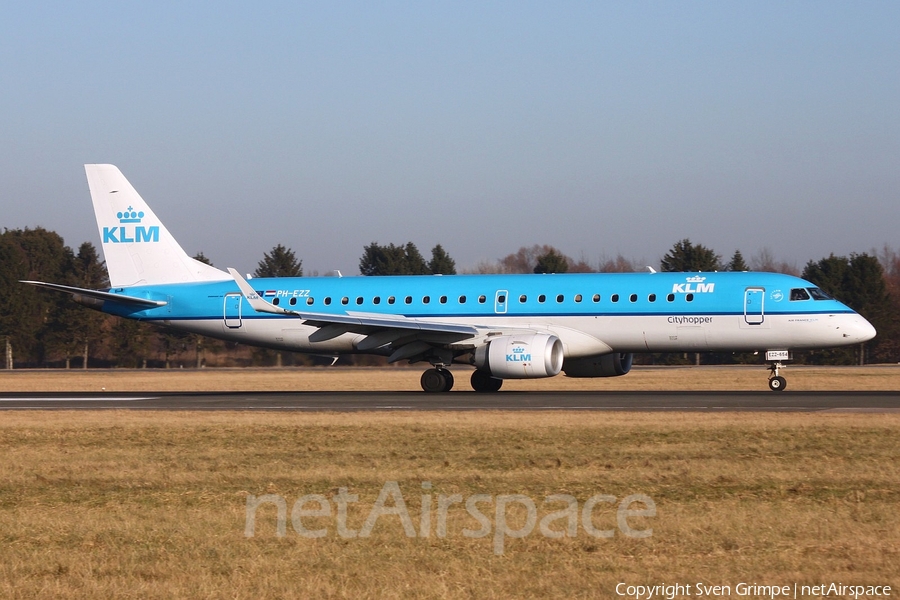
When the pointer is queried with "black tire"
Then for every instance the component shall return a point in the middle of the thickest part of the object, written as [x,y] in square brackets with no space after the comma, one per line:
[436,380]
[483,382]
[777,384]
[448,376]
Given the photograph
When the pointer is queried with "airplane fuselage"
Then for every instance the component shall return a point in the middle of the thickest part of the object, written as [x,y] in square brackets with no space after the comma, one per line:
[591,313]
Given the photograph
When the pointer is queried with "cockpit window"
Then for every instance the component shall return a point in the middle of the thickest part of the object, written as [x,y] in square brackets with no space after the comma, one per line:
[818,294]
[799,294]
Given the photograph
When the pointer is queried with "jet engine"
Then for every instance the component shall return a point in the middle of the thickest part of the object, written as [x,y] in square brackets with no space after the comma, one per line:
[599,365]
[521,356]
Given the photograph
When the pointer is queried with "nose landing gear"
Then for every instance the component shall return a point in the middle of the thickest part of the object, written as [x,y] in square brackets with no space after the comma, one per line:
[777,383]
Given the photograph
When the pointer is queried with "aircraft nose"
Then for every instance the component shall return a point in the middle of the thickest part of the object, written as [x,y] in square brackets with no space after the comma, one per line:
[860,330]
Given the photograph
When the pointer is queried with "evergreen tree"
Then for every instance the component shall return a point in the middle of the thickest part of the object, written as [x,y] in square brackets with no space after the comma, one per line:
[858,282]
[685,256]
[86,326]
[525,260]
[280,262]
[737,262]
[392,260]
[202,258]
[552,261]
[30,317]
[440,262]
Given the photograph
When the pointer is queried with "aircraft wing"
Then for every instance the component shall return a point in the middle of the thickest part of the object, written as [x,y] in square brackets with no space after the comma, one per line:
[351,318]
[98,295]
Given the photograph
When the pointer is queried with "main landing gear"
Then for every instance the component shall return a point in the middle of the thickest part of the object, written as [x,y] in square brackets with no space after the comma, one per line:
[437,380]
[440,379]
[777,383]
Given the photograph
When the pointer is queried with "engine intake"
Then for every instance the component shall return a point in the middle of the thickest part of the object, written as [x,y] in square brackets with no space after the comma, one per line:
[599,365]
[521,356]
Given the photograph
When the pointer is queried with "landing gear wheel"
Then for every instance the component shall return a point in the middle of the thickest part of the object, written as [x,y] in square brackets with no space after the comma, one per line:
[483,382]
[777,384]
[436,380]
[448,376]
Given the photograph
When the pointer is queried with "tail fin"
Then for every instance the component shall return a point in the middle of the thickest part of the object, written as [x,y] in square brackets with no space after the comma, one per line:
[137,246]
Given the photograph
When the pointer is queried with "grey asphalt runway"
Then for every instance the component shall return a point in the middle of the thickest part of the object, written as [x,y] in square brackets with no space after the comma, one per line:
[462,401]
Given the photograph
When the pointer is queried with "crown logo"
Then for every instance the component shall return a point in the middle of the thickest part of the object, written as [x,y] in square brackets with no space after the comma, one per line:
[130,216]
[696,279]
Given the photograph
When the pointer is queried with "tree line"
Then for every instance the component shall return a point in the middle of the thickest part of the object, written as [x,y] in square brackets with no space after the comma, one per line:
[40,328]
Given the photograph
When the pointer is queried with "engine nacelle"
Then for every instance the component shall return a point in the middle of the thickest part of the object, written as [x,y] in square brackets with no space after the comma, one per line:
[521,356]
[600,365]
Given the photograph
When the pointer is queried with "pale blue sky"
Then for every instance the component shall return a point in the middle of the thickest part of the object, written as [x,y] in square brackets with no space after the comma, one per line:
[599,128]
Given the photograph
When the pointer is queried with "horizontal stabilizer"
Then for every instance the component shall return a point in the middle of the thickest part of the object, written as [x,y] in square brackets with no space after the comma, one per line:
[97,294]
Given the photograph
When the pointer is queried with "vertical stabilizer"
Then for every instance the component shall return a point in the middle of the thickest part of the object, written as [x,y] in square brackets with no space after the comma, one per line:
[136,245]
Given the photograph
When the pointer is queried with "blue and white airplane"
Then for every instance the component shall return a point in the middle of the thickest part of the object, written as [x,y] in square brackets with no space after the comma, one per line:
[506,326]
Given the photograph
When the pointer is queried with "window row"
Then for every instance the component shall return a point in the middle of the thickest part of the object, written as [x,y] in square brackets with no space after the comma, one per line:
[542,298]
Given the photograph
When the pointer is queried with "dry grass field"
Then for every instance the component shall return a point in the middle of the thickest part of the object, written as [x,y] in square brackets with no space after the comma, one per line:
[154,505]
[121,504]
[752,378]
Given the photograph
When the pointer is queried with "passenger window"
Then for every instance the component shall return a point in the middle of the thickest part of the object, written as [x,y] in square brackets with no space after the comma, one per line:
[542,298]
[359,300]
[376,300]
[633,298]
[799,294]
[276,301]
[426,299]
[443,299]
[345,300]
[670,298]
[481,299]
[391,299]
[560,298]
[408,300]
[577,297]
[327,301]
[689,297]
[310,300]
[523,299]
[615,298]
[596,298]
[652,297]
[293,301]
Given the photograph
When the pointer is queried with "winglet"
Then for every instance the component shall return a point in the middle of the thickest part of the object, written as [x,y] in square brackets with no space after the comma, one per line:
[253,299]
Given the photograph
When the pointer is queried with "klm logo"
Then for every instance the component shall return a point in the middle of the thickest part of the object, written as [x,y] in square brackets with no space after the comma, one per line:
[694,285]
[518,355]
[128,231]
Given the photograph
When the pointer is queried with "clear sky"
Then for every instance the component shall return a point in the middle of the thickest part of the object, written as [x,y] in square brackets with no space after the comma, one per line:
[599,128]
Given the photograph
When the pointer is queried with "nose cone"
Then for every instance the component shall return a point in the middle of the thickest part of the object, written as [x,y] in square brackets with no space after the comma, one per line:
[859,330]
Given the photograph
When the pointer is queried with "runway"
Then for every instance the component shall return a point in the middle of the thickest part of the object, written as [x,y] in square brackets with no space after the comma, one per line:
[461,401]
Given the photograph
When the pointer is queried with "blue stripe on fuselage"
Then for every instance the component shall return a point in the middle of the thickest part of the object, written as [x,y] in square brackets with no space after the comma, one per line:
[710,293]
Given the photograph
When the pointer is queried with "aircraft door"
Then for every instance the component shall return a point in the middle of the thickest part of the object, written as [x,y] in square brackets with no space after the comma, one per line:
[754,313]
[233,310]
[500,302]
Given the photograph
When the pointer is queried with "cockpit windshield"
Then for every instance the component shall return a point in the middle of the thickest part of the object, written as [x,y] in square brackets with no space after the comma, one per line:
[807,293]
[818,294]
